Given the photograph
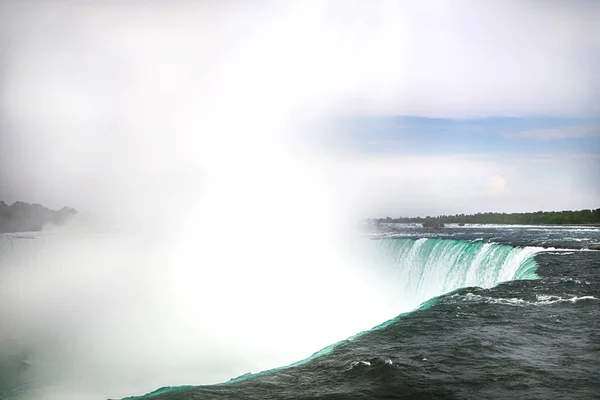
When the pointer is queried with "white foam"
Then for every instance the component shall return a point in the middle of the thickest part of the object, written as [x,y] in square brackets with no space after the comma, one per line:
[354,364]
[549,299]
[540,299]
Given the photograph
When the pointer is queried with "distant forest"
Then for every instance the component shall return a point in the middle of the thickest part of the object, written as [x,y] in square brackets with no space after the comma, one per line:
[24,217]
[536,218]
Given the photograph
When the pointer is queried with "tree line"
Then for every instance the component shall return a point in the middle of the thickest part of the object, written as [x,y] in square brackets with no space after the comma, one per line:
[24,217]
[536,218]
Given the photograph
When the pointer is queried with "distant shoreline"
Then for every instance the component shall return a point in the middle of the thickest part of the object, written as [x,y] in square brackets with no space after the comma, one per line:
[581,217]
[496,224]
[22,217]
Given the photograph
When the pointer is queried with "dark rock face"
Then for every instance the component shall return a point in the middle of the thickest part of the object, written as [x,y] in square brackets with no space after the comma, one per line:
[24,217]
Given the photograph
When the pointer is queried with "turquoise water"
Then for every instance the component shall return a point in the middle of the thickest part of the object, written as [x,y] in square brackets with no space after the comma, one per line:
[429,267]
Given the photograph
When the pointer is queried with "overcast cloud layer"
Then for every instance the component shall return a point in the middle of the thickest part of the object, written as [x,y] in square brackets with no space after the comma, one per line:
[115,104]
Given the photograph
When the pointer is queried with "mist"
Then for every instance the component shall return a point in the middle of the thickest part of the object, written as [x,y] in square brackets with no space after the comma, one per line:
[208,242]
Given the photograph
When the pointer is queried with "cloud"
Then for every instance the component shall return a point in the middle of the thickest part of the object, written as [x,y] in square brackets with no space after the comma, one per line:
[447,184]
[569,132]
[431,58]
[129,103]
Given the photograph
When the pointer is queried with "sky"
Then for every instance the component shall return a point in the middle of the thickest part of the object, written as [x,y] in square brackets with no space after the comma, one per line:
[377,108]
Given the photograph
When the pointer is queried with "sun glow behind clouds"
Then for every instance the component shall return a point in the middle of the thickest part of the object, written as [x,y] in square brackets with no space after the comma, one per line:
[498,183]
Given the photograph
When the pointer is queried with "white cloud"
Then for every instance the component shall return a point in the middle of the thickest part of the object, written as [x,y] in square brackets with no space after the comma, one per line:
[569,132]
[426,58]
[105,103]
[411,186]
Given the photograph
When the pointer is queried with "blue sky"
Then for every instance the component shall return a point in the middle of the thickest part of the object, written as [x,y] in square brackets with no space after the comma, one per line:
[492,135]
[452,165]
